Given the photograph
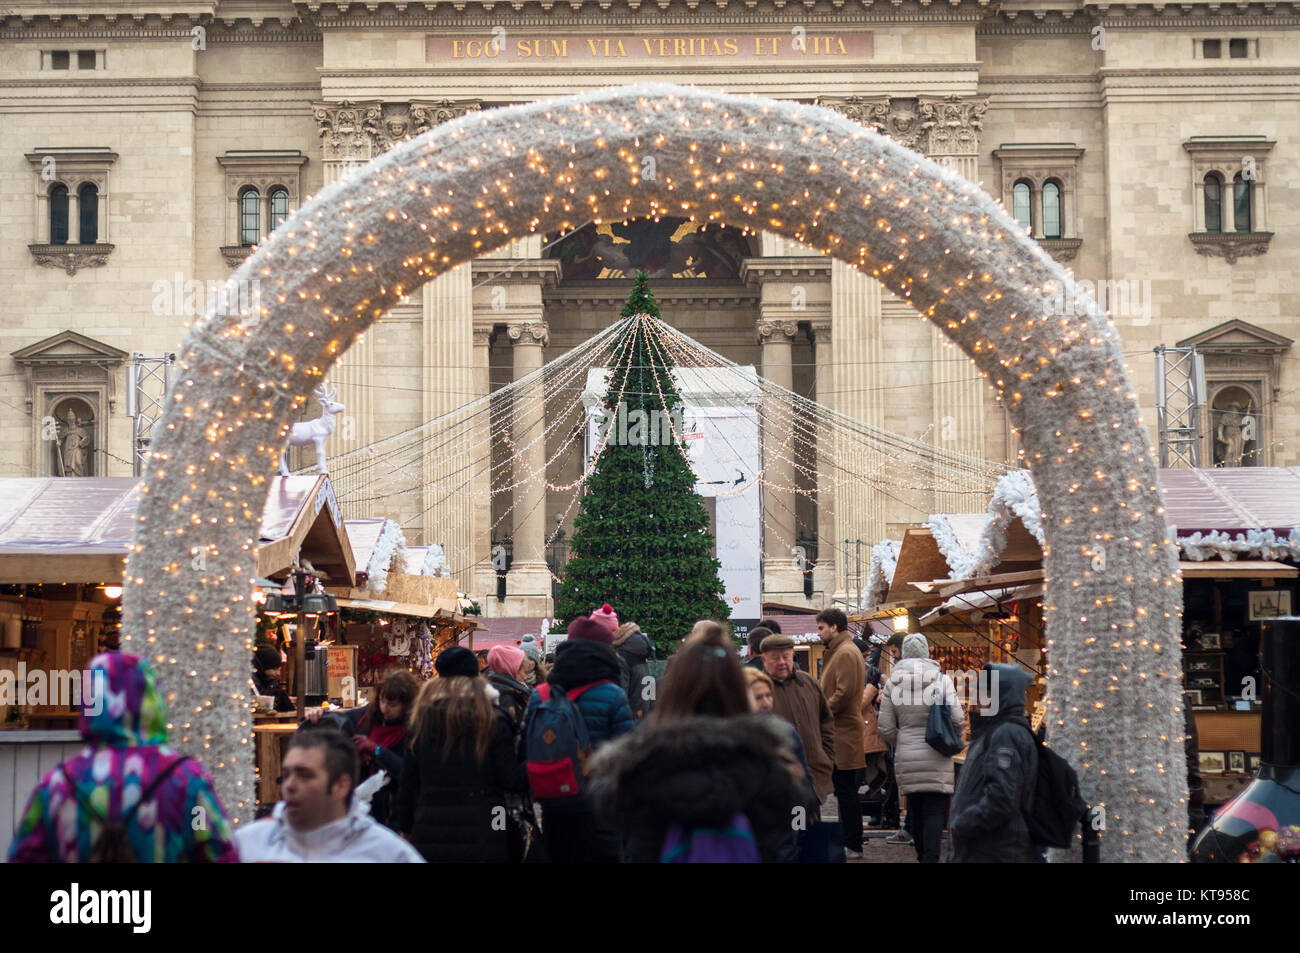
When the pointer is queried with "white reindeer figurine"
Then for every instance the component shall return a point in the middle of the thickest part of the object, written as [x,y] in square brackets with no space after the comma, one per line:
[314,431]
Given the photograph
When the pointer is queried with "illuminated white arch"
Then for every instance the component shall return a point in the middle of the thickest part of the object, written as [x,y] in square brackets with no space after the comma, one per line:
[804,172]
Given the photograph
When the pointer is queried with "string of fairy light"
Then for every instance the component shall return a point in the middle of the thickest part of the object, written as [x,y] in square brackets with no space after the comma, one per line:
[452,455]
[806,173]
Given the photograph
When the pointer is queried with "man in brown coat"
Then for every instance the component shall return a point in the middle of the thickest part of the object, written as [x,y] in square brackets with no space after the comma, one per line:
[798,699]
[843,676]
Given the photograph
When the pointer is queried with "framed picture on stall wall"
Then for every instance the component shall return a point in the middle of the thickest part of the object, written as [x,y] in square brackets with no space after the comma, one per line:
[1237,761]
[1212,762]
[1268,603]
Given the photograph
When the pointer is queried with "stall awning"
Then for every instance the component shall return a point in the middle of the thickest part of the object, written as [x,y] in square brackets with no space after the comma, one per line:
[1237,569]
[78,529]
[981,599]
[408,608]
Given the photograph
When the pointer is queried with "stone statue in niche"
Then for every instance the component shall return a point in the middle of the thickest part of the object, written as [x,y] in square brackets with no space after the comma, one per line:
[1236,429]
[74,446]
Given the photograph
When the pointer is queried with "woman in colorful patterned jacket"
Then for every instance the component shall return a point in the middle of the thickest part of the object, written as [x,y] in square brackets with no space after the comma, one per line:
[86,802]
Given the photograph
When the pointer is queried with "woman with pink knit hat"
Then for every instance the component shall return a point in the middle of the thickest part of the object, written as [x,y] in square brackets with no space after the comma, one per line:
[503,674]
[607,617]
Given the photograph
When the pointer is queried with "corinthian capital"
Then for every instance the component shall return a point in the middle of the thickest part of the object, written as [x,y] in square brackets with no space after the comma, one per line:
[348,130]
[768,329]
[530,332]
[953,123]
[424,116]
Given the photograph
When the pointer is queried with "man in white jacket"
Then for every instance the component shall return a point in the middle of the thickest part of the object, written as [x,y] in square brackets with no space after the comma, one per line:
[317,820]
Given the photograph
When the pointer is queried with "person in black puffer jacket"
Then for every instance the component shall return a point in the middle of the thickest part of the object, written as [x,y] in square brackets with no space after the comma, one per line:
[460,767]
[635,649]
[988,820]
[698,761]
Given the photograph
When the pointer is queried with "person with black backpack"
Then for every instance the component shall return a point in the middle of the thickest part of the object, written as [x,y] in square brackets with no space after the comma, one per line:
[126,797]
[989,818]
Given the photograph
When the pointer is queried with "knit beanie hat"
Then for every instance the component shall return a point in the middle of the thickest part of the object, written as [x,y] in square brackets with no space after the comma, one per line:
[530,648]
[916,645]
[456,660]
[585,628]
[267,657]
[505,659]
[625,632]
[606,616]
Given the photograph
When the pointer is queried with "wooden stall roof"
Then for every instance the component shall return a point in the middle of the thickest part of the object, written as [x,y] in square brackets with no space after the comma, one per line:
[1237,569]
[1232,499]
[918,558]
[73,529]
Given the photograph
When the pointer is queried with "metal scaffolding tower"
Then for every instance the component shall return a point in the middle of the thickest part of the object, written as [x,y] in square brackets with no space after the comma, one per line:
[148,381]
[1180,394]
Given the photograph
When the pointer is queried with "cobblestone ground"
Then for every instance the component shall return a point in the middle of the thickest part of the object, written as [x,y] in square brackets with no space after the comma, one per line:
[874,848]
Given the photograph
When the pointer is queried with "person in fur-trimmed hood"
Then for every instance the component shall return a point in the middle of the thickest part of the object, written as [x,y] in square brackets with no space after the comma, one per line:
[634,650]
[700,760]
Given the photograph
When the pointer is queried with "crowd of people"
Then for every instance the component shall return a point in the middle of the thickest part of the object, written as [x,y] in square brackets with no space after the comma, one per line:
[584,756]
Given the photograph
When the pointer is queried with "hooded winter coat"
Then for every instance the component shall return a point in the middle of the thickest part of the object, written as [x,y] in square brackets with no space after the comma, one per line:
[446,808]
[354,838]
[904,712]
[125,728]
[987,822]
[634,649]
[699,772]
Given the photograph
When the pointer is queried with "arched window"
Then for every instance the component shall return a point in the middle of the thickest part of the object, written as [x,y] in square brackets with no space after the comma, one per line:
[279,207]
[1021,205]
[1213,203]
[88,203]
[59,215]
[1241,196]
[250,212]
[1051,210]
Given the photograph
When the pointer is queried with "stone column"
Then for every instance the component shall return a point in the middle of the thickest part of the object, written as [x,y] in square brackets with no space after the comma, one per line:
[780,574]
[959,394]
[508,286]
[793,288]
[529,582]
[350,138]
[824,575]
[484,582]
[351,135]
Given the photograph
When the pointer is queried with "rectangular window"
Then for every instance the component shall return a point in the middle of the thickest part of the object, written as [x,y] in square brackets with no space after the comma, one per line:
[60,59]
[85,59]
[1212,49]
[1237,49]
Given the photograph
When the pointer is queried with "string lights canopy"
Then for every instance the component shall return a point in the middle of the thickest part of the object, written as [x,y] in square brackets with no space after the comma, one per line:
[803,172]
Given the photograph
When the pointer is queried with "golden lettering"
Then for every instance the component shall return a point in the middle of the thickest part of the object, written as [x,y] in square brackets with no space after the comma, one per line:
[663,46]
[560,49]
[729,44]
[649,48]
[679,46]
[473,49]
[591,45]
[619,51]
[455,49]
[840,44]
[522,49]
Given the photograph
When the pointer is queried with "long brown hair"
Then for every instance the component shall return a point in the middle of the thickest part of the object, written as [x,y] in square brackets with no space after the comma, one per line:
[458,709]
[705,679]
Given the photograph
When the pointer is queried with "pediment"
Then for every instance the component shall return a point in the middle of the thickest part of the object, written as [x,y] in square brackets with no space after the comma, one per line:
[69,347]
[1239,336]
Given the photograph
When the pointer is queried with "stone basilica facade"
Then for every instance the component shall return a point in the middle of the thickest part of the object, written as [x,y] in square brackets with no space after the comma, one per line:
[1149,147]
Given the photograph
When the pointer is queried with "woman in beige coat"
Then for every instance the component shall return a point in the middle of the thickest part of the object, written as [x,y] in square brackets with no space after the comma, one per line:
[924,775]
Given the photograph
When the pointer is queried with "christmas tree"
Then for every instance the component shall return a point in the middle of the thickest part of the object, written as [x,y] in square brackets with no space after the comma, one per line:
[642,541]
